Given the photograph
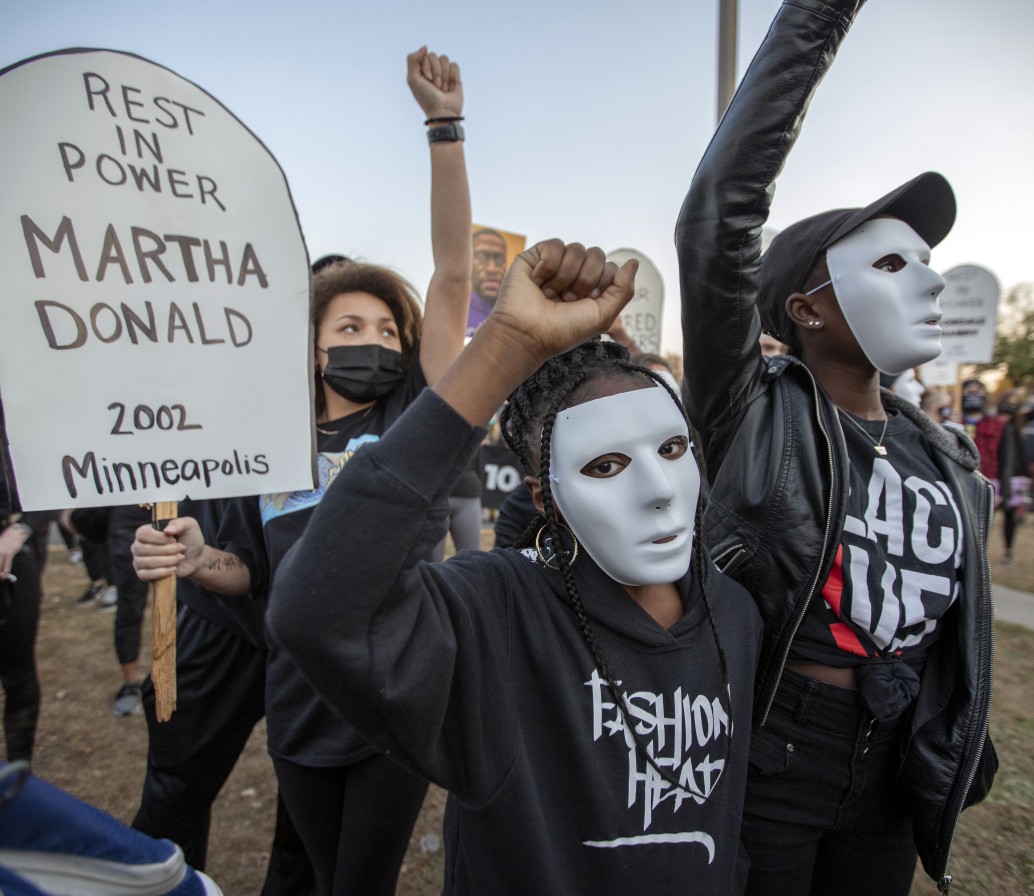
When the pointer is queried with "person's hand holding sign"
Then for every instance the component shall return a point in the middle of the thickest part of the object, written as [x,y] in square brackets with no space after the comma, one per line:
[179,549]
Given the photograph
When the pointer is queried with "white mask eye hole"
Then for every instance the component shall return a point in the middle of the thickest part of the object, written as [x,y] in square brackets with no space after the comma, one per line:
[674,448]
[606,465]
[893,263]
[890,264]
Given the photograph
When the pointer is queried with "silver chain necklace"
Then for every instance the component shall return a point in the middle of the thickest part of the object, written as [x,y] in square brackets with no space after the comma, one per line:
[877,444]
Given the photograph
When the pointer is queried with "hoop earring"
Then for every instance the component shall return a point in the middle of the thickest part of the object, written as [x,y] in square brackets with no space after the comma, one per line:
[542,556]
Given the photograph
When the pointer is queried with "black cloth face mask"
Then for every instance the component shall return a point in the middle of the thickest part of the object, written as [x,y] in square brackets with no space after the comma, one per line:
[972,402]
[362,372]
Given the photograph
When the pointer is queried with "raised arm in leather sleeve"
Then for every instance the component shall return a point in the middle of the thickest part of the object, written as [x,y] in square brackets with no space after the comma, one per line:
[718,235]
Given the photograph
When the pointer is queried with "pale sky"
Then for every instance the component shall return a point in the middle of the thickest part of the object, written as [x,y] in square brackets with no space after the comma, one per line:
[585,120]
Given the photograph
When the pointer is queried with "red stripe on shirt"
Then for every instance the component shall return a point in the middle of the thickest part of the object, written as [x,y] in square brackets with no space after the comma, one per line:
[833,592]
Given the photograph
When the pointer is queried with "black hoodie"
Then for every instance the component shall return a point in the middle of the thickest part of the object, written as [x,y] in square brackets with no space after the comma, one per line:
[474,673]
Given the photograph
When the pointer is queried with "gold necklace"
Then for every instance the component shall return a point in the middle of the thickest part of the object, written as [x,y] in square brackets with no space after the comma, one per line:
[877,444]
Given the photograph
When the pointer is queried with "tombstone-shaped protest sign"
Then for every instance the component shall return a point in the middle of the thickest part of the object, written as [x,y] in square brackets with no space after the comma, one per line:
[642,317]
[155,305]
[969,303]
[939,373]
[154,314]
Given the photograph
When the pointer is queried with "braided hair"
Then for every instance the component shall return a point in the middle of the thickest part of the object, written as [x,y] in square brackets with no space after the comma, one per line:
[527,426]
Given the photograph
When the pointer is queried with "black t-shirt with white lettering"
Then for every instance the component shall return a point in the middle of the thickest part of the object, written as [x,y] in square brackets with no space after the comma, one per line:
[896,571]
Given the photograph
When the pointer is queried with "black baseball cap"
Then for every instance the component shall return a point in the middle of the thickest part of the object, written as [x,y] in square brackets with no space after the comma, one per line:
[926,203]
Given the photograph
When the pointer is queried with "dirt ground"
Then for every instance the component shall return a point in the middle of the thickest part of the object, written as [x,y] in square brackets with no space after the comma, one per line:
[83,748]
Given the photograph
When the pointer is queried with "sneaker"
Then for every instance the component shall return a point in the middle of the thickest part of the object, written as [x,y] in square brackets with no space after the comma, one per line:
[110,599]
[75,557]
[90,595]
[128,701]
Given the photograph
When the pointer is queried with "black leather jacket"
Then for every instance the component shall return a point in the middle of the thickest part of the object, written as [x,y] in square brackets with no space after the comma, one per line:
[775,450]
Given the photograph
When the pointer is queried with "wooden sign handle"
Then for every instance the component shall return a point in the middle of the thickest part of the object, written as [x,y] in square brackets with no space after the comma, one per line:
[163,622]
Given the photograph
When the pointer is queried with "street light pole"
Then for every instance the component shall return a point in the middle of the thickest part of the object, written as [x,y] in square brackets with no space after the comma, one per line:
[726,55]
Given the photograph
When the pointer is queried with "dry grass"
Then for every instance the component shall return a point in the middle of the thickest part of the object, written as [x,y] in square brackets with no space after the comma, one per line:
[84,749]
[993,852]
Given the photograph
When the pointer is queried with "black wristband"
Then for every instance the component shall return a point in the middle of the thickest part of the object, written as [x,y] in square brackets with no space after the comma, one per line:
[442,118]
[445,133]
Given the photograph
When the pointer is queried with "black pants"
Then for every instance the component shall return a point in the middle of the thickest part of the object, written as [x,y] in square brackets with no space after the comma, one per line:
[220,693]
[95,559]
[19,623]
[821,816]
[220,687]
[355,821]
[132,593]
[1008,527]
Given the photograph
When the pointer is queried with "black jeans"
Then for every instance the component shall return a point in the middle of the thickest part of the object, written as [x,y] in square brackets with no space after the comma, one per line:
[132,593]
[355,821]
[220,688]
[821,815]
[19,622]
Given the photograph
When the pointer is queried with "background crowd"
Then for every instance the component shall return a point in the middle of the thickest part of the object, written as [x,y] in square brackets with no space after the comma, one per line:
[420,670]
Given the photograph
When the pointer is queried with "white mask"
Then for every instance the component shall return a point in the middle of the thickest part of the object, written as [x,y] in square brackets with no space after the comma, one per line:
[894,314]
[618,514]
[909,387]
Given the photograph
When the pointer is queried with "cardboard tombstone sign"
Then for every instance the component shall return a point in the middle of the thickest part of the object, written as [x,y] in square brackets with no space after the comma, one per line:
[643,316]
[970,305]
[156,342]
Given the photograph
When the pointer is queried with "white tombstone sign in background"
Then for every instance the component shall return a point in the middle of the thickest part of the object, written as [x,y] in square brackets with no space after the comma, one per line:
[970,305]
[939,373]
[155,336]
[642,317]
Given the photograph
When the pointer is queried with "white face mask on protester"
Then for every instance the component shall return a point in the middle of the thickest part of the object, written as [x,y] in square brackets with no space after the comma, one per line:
[626,482]
[909,387]
[888,293]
